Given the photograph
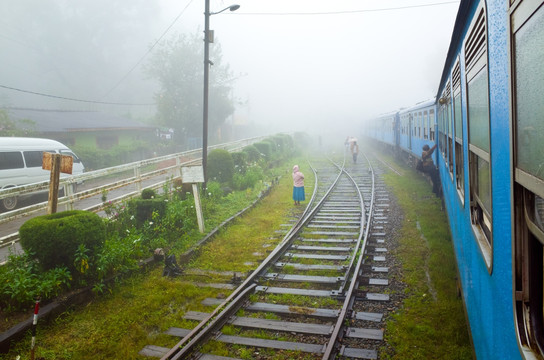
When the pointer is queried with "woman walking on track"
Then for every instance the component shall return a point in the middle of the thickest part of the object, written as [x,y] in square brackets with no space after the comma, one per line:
[298,185]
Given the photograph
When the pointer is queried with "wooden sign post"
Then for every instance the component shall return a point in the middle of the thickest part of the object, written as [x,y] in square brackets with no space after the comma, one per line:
[57,163]
[193,175]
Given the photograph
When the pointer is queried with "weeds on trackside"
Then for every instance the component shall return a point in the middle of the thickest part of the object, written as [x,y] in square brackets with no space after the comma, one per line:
[140,309]
[431,323]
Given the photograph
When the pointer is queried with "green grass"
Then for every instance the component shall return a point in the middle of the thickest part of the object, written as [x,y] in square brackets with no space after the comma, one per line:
[137,311]
[431,323]
[140,309]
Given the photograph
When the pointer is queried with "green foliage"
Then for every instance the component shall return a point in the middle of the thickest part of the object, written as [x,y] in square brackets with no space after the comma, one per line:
[10,127]
[253,154]
[214,190]
[220,166]
[177,66]
[119,254]
[116,322]
[127,241]
[285,143]
[265,148]
[249,179]
[432,320]
[180,218]
[146,207]
[148,194]
[240,162]
[54,239]
[22,281]
[101,158]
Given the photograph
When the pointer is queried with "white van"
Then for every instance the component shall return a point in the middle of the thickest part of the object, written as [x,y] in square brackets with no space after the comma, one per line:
[21,163]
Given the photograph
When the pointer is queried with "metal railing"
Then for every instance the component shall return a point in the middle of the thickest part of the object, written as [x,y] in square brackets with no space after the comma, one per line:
[152,173]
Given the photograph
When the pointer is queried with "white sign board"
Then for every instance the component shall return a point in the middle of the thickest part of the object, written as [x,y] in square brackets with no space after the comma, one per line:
[192,174]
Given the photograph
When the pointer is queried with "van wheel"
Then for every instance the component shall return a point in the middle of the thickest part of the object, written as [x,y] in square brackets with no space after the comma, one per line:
[9,203]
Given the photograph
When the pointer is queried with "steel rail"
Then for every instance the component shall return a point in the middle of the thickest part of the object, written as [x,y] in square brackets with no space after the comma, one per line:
[332,347]
[203,330]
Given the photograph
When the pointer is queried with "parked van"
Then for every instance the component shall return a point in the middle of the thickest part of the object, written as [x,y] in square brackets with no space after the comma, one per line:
[21,163]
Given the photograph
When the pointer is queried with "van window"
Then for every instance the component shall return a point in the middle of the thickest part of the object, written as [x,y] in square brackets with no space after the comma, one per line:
[33,158]
[69,153]
[11,160]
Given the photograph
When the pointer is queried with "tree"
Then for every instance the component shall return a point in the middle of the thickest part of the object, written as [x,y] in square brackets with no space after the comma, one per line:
[177,65]
[9,127]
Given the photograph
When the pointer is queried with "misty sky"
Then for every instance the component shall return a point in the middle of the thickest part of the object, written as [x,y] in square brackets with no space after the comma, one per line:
[295,70]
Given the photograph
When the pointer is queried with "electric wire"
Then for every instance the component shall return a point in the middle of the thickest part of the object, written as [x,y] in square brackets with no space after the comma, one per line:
[149,50]
[73,99]
[345,11]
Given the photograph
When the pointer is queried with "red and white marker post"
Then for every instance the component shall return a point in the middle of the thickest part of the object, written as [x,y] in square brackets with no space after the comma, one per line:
[34,325]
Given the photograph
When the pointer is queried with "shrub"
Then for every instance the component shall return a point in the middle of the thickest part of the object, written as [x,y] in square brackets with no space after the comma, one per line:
[21,281]
[220,165]
[117,155]
[214,190]
[253,154]
[146,207]
[240,162]
[148,194]
[54,239]
[264,148]
[249,179]
[285,141]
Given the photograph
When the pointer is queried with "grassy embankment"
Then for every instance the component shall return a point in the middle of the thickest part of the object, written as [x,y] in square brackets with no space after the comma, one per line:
[431,324]
[138,310]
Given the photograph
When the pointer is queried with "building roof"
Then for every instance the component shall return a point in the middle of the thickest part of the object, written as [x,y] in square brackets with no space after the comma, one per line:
[70,121]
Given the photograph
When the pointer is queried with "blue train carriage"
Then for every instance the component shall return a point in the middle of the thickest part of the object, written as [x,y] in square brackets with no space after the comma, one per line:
[417,127]
[383,128]
[491,136]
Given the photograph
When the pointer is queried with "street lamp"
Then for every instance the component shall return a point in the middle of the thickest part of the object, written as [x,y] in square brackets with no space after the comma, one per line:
[207,63]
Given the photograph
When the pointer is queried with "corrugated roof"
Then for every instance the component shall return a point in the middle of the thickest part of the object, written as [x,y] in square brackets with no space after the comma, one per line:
[65,121]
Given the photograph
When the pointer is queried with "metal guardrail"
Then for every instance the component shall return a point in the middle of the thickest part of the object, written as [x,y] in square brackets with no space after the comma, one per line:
[108,179]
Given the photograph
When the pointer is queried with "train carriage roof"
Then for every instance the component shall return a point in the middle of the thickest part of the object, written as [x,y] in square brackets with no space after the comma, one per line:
[418,106]
[465,8]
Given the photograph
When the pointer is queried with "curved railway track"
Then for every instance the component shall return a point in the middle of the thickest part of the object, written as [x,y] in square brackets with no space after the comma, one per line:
[307,300]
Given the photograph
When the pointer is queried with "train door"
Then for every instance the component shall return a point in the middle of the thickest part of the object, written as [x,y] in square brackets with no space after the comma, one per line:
[397,130]
[410,131]
[527,107]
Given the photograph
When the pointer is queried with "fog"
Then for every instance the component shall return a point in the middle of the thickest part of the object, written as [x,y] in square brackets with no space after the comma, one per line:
[306,65]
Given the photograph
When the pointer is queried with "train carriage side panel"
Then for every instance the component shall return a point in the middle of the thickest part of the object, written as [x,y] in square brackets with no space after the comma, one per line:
[477,186]
[417,129]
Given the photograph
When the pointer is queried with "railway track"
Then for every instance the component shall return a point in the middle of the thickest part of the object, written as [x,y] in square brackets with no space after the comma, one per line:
[311,296]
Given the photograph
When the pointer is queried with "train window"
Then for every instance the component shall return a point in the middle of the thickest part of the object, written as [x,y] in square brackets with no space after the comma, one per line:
[431,126]
[443,122]
[425,125]
[478,136]
[441,139]
[11,160]
[458,122]
[479,111]
[527,36]
[419,124]
[450,136]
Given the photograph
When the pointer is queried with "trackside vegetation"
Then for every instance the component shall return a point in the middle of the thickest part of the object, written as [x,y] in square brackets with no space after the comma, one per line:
[137,311]
[132,231]
[431,323]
